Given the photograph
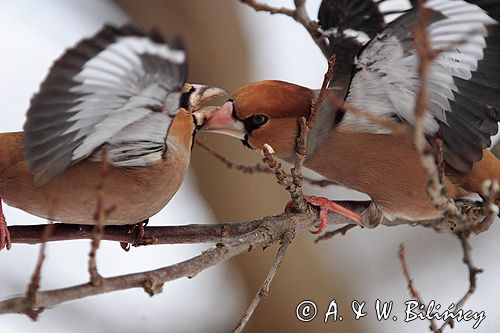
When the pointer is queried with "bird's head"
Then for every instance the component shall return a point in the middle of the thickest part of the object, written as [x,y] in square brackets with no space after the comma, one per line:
[263,112]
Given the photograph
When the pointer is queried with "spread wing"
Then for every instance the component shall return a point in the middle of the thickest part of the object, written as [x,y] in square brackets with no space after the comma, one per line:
[464,83]
[120,88]
[348,25]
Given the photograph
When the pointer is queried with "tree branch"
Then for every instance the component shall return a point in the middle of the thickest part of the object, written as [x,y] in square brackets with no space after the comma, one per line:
[271,231]
[215,233]
[231,238]
[182,234]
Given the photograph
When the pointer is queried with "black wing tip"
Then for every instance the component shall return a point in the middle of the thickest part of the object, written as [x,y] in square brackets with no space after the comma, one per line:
[458,163]
[360,15]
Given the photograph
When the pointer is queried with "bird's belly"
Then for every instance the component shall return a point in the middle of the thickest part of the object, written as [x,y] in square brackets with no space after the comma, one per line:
[397,194]
[130,195]
[385,167]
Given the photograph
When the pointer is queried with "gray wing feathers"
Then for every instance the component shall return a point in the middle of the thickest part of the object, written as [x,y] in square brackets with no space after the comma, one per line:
[95,93]
[464,94]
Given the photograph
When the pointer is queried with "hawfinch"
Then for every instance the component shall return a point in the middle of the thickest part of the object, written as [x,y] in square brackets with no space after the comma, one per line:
[121,91]
[376,70]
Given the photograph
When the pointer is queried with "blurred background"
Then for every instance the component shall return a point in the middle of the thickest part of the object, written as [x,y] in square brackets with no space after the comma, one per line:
[228,45]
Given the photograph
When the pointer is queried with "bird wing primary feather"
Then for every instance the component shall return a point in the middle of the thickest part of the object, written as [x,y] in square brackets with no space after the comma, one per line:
[350,17]
[120,88]
[464,88]
[348,25]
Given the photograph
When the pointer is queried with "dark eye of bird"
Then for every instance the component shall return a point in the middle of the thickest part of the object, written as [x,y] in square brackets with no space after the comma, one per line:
[254,122]
[259,119]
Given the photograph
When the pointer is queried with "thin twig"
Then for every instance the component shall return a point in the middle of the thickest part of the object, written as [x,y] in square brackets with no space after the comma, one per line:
[473,271]
[262,7]
[298,201]
[435,188]
[100,217]
[305,126]
[441,163]
[264,288]
[34,285]
[293,183]
[280,174]
[324,92]
[258,168]
[411,288]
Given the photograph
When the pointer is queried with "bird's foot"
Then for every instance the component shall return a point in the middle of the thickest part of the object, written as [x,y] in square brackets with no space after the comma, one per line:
[4,231]
[326,206]
[139,230]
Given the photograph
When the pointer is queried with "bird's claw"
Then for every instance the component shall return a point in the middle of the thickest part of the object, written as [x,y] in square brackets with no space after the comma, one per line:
[139,229]
[326,206]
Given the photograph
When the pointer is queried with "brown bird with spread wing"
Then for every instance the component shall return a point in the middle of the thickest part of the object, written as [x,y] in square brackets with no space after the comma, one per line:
[376,70]
[121,91]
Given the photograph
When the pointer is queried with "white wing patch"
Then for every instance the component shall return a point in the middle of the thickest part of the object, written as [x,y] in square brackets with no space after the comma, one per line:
[387,79]
[360,36]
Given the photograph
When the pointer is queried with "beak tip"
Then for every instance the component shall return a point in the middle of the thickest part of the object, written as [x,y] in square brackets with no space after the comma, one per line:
[202,94]
[213,92]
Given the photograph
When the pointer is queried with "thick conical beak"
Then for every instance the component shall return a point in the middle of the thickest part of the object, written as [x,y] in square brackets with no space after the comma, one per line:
[221,120]
[199,94]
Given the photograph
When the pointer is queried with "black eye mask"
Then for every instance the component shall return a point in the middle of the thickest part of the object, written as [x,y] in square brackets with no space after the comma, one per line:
[255,122]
